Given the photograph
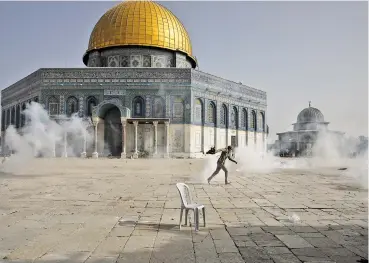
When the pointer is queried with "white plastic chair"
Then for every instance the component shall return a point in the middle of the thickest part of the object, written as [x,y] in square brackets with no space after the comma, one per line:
[186,204]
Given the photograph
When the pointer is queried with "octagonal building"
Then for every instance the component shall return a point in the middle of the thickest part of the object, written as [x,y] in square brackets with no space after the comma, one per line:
[142,91]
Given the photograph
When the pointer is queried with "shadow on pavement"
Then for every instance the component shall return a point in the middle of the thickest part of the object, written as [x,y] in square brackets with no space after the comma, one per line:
[165,243]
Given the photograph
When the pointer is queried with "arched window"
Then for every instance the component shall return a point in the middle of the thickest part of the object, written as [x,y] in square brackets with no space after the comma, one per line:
[223,115]
[13,116]
[3,120]
[72,105]
[53,105]
[158,107]
[138,106]
[198,111]
[211,112]
[234,117]
[17,119]
[23,118]
[7,118]
[244,118]
[253,120]
[178,106]
[91,102]
[262,121]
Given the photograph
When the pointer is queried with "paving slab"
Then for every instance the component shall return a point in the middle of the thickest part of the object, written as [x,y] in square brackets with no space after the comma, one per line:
[294,241]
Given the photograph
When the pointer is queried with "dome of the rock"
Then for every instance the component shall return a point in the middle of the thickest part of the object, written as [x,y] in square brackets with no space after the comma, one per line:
[140,23]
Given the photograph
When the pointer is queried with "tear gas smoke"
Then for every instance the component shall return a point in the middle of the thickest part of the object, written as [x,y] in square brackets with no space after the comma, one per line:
[42,136]
[329,151]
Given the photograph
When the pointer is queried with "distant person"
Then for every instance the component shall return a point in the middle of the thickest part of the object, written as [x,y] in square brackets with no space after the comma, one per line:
[226,154]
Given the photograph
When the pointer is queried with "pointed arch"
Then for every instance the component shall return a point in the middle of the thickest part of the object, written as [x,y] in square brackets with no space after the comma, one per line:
[199,111]
[211,112]
[53,106]
[138,107]
[13,116]
[262,121]
[158,107]
[178,109]
[253,124]
[18,117]
[7,118]
[234,117]
[72,105]
[244,119]
[224,115]
[3,116]
[91,102]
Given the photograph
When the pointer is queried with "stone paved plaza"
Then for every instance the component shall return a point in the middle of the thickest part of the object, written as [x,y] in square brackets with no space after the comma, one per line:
[127,211]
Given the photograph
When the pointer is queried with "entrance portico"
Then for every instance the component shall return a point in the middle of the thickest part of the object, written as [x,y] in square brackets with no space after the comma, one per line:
[138,137]
[108,117]
[150,135]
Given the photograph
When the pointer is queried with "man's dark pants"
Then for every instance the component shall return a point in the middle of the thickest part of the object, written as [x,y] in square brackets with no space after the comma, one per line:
[220,166]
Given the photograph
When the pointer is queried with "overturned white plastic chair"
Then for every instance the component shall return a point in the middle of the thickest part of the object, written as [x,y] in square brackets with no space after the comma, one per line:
[186,204]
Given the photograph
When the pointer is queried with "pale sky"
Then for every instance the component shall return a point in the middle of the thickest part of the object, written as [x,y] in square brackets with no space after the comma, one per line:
[295,51]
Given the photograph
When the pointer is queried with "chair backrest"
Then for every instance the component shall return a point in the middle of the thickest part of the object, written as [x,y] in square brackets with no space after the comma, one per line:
[185,194]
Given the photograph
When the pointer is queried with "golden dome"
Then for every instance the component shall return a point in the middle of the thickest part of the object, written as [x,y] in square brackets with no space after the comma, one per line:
[140,23]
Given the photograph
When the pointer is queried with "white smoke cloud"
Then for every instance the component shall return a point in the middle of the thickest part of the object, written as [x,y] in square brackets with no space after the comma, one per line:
[42,136]
[329,151]
[338,152]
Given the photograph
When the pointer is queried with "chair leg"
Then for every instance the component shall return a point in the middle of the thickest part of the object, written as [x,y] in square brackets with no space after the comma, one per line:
[196,212]
[203,215]
[194,218]
[180,218]
[186,216]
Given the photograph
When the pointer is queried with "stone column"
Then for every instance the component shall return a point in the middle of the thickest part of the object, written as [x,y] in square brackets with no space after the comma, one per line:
[155,123]
[84,153]
[166,154]
[65,153]
[95,154]
[135,154]
[124,138]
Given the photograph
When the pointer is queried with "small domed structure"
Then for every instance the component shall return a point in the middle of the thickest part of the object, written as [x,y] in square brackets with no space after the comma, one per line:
[310,119]
[310,123]
[310,115]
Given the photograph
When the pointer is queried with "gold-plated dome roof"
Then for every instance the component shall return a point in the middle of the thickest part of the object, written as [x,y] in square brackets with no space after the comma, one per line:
[142,23]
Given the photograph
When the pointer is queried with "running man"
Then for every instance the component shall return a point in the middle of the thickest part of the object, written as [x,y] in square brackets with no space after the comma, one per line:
[226,154]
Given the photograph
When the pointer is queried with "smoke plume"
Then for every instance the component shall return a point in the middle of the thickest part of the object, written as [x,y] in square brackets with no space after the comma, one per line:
[44,137]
